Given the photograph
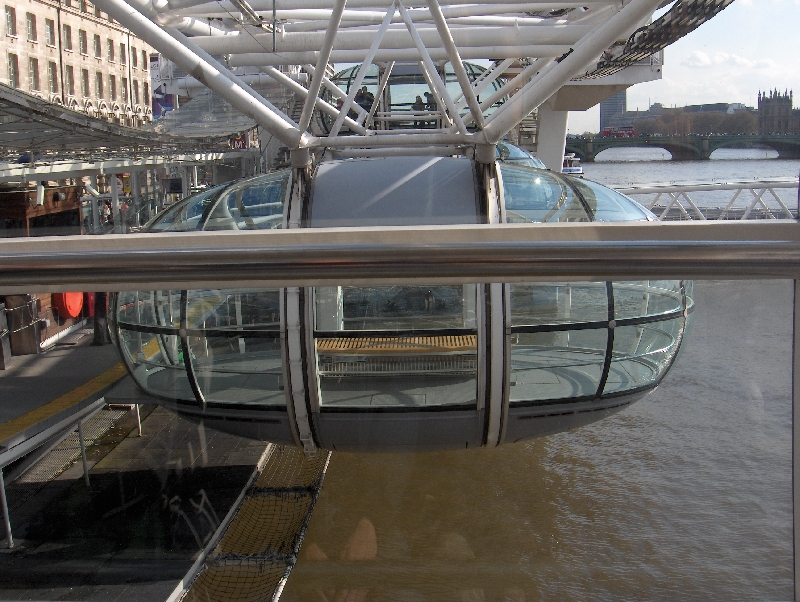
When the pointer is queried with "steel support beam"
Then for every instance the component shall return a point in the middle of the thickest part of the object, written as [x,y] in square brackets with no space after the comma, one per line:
[528,35]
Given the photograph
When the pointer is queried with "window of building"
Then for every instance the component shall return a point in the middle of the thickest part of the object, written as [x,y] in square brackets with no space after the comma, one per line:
[134,60]
[98,84]
[11,21]
[30,27]
[135,92]
[67,41]
[84,6]
[69,80]
[33,73]
[52,77]
[145,93]
[144,59]
[13,70]
[98,47]
[110,50]
[122,56]
[112,87]
[50,32]
[97,12]
[68,3]
[124,90]
[85,82]
[83,42]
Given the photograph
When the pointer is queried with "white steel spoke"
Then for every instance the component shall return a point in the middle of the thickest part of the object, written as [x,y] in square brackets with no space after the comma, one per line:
[531,73]
[486,79]
[530,97]
[265,45]
[781,203]
[455,61]
[442,113]
[322,105]
[381,88]
[216,77]
[334,89]
[362,71]
[437,82]
[322,62]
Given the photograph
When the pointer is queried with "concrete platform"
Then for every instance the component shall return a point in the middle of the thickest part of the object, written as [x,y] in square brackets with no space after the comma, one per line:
[39,389]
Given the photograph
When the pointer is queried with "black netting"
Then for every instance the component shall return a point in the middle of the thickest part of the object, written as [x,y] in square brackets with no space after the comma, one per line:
[259,547]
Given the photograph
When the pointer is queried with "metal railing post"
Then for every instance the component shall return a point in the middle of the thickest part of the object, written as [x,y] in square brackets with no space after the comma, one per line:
[796,442]
[83,453]
[6,517]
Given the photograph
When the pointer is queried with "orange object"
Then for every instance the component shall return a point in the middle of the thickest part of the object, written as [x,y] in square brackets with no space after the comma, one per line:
[68,305]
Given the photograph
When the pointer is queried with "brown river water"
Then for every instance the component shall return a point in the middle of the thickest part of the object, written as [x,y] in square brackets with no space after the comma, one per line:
[685,495]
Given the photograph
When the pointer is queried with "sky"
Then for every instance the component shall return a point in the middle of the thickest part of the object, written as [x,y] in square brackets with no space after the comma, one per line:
[752,45]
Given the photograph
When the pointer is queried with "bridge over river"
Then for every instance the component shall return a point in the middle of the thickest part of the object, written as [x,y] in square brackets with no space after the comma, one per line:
[686,148]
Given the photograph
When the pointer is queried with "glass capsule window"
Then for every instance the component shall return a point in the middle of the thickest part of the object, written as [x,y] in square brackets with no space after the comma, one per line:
[207,346]
[589,340]
[536,196]
[607,205]
[411,347]
[210,347]
[395,347]
[233,339]
[251,204]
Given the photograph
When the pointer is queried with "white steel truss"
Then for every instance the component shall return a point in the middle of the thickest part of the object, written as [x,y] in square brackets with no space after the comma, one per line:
[558,40]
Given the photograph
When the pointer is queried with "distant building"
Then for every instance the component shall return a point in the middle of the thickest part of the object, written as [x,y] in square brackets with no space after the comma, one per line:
[69,53]
[776,114]
[717,107]
[613,109]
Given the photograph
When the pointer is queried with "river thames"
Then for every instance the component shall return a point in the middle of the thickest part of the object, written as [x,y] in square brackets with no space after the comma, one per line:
[684,495]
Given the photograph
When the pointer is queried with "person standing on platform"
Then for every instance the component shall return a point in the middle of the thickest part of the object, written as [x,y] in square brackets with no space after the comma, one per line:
[418,107]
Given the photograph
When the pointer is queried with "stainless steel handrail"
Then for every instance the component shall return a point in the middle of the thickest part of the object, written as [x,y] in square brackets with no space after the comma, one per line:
[429,254]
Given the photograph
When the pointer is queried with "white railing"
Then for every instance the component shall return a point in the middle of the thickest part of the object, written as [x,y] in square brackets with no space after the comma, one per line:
[719,200]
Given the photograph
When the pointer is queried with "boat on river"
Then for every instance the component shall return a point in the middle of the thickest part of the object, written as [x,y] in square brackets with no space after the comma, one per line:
[572,165]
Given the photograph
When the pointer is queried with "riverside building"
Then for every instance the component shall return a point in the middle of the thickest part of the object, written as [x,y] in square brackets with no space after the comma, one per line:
[70,53]
[776,113]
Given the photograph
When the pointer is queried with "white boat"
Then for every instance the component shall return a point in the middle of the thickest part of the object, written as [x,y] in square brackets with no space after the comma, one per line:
[572,165]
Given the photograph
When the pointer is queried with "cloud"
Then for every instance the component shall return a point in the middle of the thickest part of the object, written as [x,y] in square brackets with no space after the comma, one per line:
[700,60]
[697,59]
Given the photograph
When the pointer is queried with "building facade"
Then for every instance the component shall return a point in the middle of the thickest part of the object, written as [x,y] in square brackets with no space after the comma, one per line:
[70,53]
[613,109]
[776,114]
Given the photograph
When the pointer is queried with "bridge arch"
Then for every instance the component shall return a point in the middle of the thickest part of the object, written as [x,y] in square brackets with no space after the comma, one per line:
[787,146]
[681,148]
[651,153]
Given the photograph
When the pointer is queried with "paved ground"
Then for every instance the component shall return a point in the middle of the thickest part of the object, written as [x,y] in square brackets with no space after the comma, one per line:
[34,380]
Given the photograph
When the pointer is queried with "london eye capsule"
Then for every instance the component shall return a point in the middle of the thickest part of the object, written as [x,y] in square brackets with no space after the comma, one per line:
[403,366]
